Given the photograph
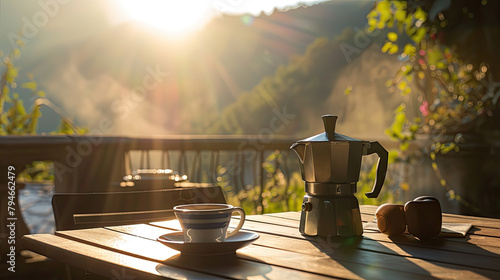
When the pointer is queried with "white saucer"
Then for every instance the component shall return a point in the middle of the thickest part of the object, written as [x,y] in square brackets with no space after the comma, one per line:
[175,240]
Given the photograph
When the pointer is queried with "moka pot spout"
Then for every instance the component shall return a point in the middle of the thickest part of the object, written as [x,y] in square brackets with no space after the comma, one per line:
[299,149]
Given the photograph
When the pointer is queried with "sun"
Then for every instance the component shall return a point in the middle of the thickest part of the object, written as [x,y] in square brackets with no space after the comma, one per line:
[176,17]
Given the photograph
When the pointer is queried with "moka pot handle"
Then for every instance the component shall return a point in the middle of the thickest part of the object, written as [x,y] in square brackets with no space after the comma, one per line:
[383,155]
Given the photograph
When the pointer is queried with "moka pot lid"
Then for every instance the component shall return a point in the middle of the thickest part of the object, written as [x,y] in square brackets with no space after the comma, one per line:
[329,135]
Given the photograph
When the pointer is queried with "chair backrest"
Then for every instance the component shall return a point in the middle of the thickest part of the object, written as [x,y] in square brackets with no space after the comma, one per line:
[87,210]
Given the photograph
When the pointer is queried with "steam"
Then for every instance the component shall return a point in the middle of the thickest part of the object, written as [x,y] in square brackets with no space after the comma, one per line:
[93,100]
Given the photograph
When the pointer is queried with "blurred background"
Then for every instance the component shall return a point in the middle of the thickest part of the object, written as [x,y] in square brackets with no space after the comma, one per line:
[421,77]
[217,62]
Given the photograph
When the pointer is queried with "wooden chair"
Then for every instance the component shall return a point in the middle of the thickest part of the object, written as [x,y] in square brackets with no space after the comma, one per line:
[87,210]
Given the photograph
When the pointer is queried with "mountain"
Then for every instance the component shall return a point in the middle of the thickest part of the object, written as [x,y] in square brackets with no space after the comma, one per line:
[291,101]
[200,77]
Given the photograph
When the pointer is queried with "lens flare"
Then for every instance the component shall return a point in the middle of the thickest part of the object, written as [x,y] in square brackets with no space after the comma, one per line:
[176,17]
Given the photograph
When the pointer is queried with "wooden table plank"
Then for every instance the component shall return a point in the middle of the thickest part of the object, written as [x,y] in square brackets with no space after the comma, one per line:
[282,252]
[242,266]
[485,231]
[152,250]
[479,245]
[363,250]
[261,258]
[343,254]
[104,262]
[489,246]
[142,230]
[368,212]
[303,262]
[248,225]
[479,235]
[123,243]
[264,254]
[436,257]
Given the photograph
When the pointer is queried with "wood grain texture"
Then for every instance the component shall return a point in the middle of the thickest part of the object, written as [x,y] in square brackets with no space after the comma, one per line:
[145,248]
[104,262]
[282,252]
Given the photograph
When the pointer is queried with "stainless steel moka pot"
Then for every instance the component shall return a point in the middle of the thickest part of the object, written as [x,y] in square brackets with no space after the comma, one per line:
[330,164]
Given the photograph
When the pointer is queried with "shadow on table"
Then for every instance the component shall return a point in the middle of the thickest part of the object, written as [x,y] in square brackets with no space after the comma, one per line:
[366,261]
[218,266]
[446,253]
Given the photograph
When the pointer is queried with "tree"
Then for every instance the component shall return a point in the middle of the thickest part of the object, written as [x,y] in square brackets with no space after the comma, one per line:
[14,118]
[450,82]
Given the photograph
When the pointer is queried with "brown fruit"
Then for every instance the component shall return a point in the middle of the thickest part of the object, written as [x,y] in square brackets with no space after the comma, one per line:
[391,219]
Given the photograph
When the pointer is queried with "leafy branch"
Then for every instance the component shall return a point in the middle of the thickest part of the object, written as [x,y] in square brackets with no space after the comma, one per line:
[444,96]
[14,118]
[453,96]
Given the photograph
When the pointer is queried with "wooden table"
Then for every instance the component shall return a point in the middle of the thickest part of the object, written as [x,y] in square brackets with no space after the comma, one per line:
[281,252]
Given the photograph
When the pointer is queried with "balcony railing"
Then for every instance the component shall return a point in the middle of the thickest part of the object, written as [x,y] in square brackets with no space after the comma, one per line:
[93,163]
[255,172]
[251,170]
[248,168]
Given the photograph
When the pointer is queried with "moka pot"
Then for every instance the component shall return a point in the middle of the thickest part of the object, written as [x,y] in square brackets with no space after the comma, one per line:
[330,164]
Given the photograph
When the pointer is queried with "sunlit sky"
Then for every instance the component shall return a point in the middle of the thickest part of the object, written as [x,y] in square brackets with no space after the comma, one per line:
[84,48]
[181,17]
[84,18]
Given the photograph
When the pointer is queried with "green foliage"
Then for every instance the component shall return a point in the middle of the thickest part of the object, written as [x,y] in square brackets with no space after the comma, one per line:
[348,90]
[14,118]
[453,95]
[38,171]
[401,129]
[280,193]
[280,198]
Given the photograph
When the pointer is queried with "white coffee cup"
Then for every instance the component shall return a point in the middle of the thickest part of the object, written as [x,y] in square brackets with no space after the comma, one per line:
[207,222]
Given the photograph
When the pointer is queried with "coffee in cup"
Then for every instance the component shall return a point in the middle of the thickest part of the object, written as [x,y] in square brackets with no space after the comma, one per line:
[207,222]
